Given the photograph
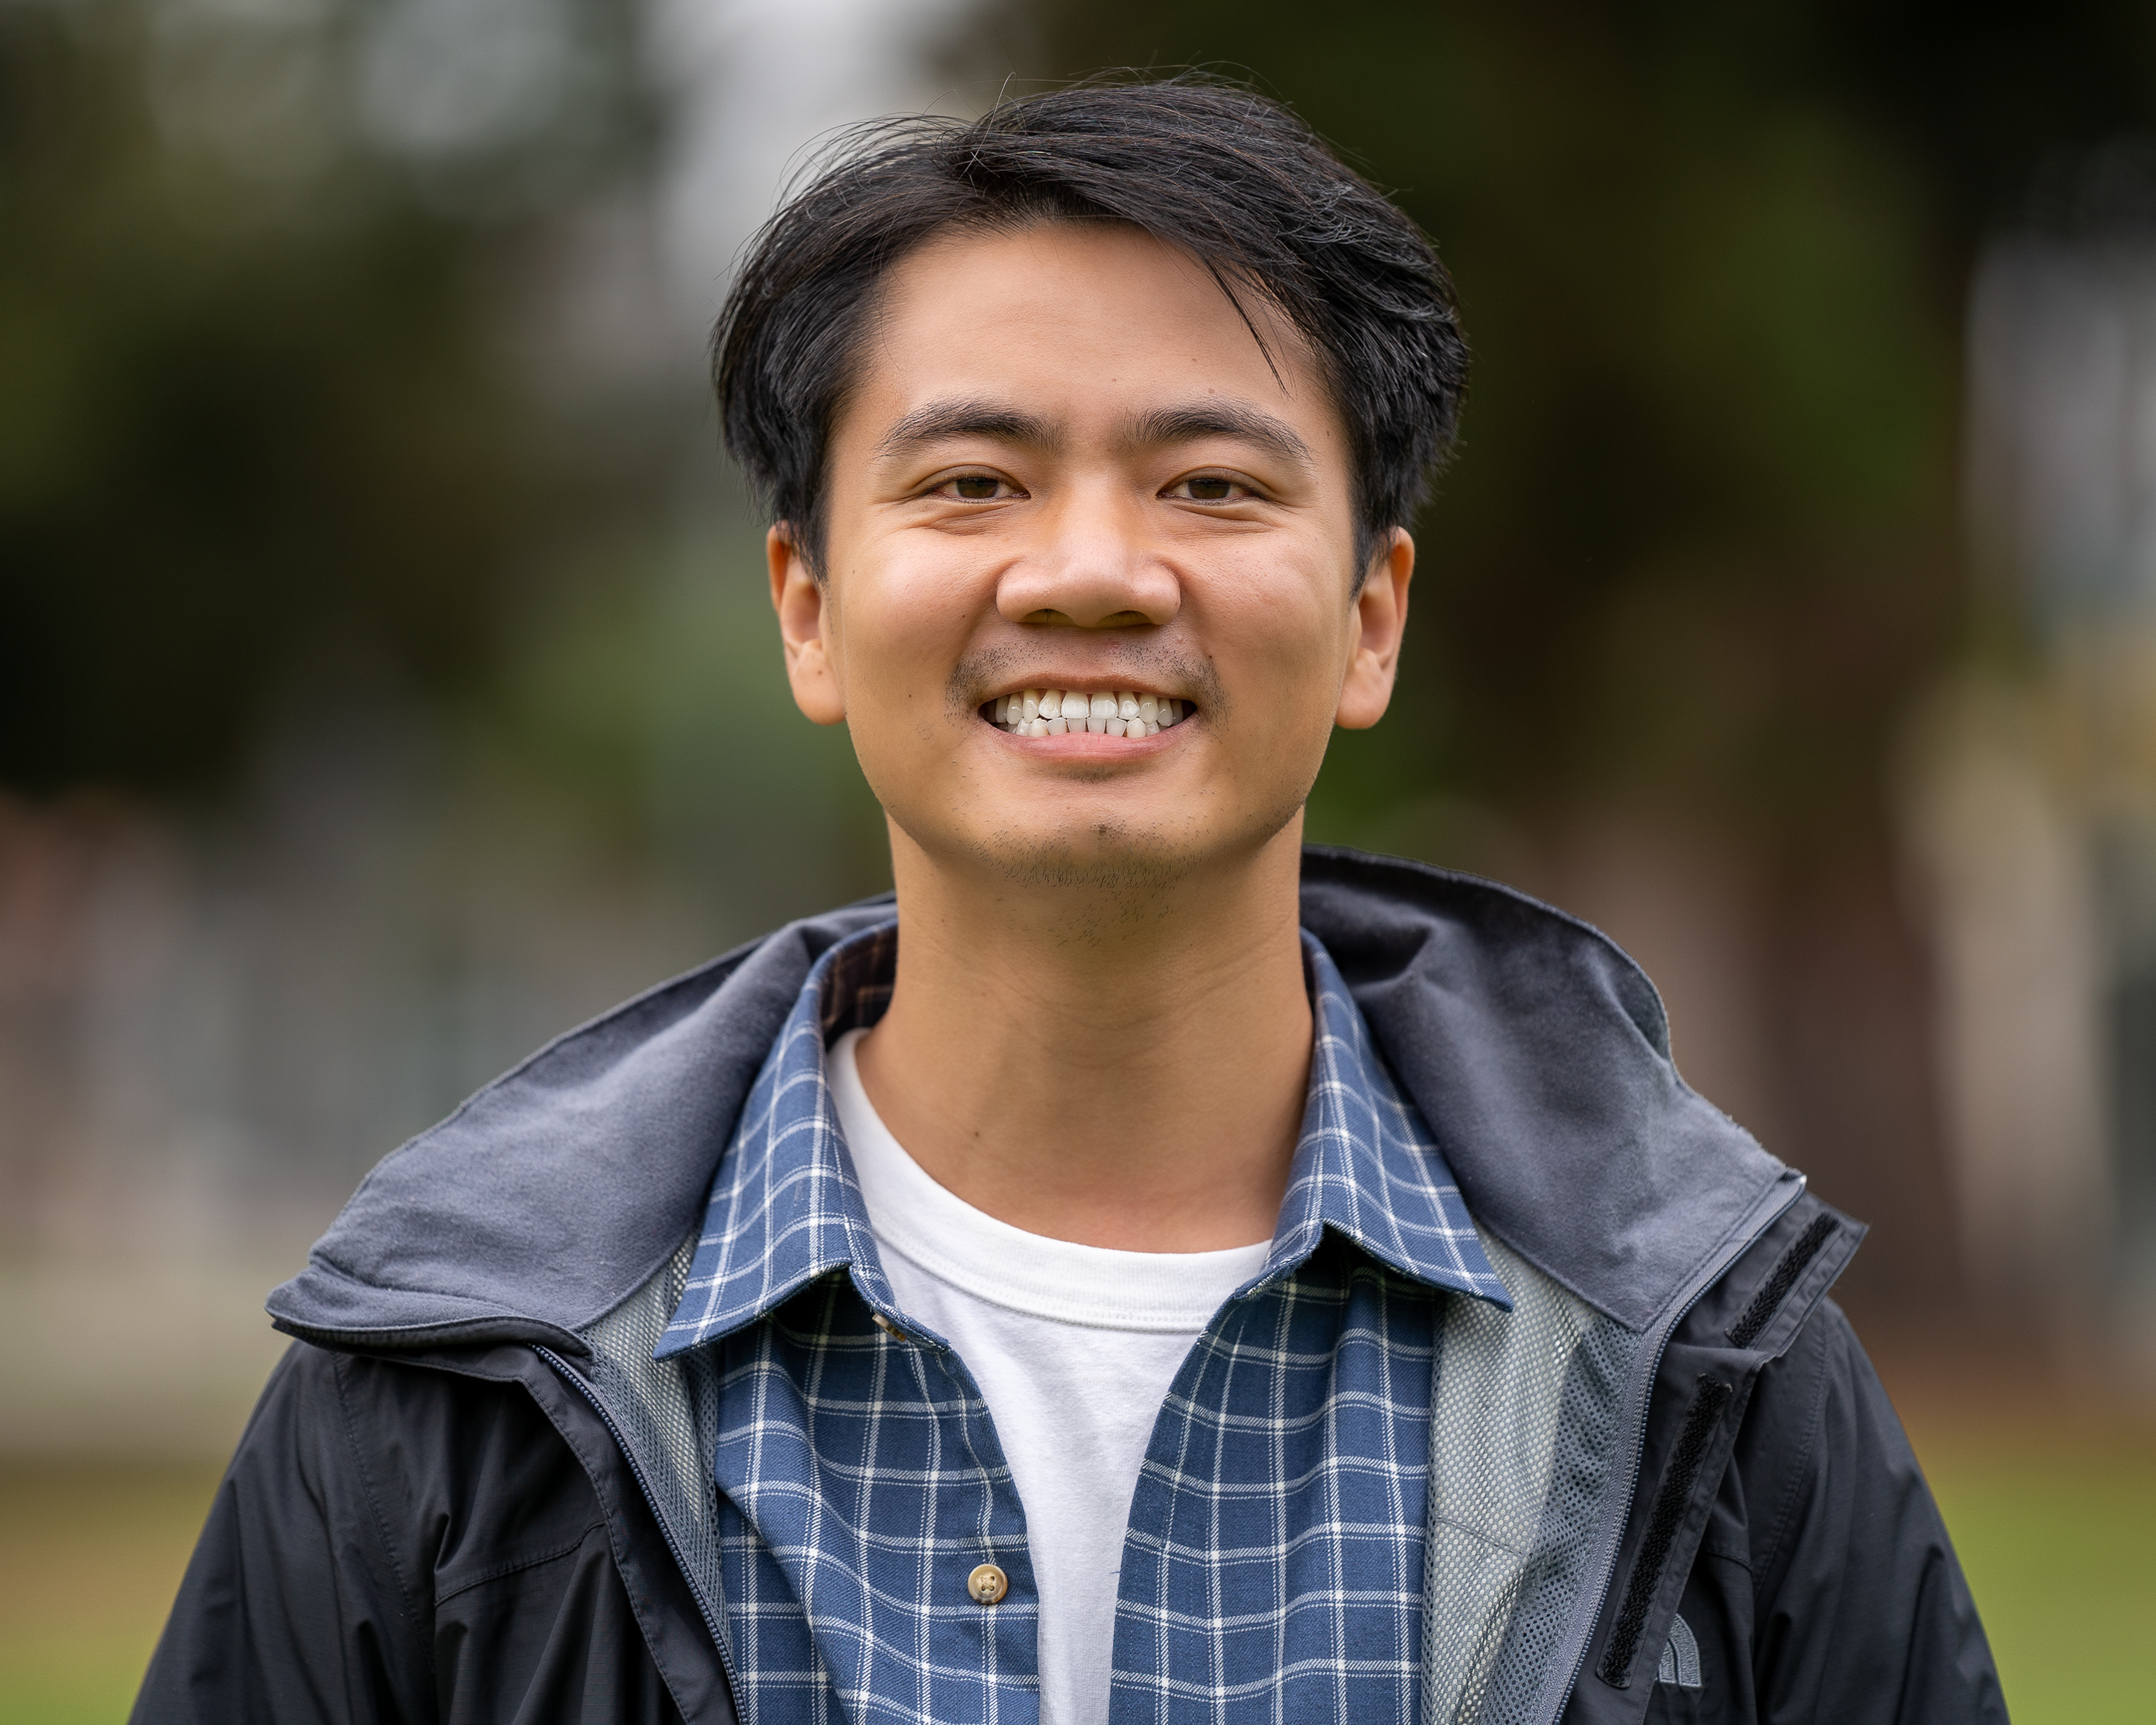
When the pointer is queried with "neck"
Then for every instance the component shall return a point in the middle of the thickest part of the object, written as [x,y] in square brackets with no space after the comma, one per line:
[1119,1068]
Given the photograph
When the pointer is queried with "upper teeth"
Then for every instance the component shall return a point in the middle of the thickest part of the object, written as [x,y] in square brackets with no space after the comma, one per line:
[1052,712]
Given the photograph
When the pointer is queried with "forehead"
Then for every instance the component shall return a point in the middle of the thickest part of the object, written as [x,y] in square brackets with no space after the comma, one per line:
[1083,325]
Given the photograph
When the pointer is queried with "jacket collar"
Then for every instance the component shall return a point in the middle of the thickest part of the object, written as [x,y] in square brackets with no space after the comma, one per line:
[1535,1053]
[786,1208]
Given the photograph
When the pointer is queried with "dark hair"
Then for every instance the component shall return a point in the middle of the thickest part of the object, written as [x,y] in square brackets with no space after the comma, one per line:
[1231,177]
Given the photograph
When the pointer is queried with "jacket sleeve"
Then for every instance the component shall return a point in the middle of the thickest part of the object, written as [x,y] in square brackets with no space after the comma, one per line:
[292,1612]
[1861,1611]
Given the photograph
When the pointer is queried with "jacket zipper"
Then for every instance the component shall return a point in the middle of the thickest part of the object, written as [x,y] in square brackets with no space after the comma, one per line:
[666,1529]
[1638,1441]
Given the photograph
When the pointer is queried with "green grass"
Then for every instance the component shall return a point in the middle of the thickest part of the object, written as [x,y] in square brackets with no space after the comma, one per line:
[2058,1530]
[89,1560]
[2059,1538]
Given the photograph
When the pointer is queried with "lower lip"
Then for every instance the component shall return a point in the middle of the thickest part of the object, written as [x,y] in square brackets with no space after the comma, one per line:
[1092,744]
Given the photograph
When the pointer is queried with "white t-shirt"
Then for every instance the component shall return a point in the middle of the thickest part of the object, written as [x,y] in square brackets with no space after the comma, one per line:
[1074,1348]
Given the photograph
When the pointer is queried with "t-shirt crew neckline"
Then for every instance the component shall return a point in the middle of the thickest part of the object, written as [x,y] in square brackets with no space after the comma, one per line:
[944,1236]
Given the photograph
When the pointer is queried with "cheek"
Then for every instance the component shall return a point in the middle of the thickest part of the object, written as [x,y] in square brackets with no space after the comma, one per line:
[1283,631]
[902,625]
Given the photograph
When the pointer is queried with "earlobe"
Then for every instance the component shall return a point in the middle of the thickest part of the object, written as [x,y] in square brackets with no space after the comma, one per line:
[804,619]
[1380,619]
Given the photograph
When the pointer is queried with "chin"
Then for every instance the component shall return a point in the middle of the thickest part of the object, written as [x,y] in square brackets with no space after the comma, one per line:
[1110,860]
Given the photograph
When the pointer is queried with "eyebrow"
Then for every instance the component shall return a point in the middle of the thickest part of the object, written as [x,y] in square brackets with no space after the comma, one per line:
[942,419]
[1187,424]
[1160,427]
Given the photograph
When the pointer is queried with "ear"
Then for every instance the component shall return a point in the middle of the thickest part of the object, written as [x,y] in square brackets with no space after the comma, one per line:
[1382,619]
[799,600]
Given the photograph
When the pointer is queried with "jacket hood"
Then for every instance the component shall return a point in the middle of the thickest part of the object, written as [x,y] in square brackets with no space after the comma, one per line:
[1537,1053]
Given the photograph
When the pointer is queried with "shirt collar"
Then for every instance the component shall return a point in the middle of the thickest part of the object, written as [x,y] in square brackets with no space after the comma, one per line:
[785,1210]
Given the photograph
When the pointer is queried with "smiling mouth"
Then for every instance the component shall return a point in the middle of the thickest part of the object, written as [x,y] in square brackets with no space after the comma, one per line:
[1103,712]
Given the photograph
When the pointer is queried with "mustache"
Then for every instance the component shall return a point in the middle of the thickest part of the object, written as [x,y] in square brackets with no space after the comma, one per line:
[980,675]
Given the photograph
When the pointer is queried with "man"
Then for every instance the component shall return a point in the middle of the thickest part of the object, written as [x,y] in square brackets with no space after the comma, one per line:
[1148,1270]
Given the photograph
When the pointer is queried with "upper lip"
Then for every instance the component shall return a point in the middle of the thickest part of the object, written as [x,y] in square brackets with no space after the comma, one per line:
[1086,685]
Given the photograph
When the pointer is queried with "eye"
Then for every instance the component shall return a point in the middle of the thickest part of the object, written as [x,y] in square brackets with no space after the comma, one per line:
[977,488]
[1208,488]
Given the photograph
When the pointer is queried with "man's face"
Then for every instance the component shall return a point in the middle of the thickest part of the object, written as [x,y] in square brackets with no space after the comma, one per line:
[1066,464]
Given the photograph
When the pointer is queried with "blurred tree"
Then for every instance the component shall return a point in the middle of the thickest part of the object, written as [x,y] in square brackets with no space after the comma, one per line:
[1699,543]
[256,410]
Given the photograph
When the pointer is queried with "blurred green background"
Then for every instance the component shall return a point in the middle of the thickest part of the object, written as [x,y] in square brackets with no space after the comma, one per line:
[385,681]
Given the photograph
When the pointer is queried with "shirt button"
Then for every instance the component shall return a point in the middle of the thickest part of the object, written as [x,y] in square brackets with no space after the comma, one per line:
[987,1584]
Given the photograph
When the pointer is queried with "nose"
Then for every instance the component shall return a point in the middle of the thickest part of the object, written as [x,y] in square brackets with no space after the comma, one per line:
[1091,570]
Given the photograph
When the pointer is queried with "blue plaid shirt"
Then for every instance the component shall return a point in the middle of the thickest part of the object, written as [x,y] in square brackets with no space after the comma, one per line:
[1273,1561]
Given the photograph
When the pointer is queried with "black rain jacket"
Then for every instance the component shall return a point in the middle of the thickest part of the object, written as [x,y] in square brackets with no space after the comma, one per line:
[433,1516]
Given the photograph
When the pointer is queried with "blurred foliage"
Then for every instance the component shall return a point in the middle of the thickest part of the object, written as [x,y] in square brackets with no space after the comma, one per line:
[264,424]
[652,696]
[260,425]
[1699,545]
